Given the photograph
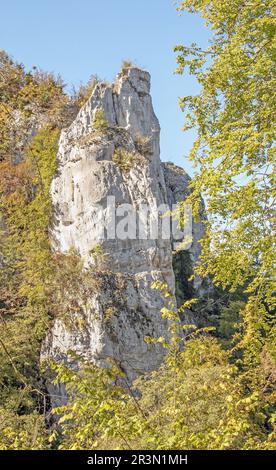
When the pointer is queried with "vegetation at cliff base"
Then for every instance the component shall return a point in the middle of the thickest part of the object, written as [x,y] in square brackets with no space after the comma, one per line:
[234,158]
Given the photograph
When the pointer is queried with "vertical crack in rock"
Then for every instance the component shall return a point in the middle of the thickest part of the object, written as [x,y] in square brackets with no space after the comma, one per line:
[87,174]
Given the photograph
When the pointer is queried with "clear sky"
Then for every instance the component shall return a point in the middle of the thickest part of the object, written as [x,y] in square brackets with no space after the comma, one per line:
[80,38]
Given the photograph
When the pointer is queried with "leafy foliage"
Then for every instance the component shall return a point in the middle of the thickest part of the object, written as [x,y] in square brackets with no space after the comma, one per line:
[25,99]
[100,123]
[26,270]
[84,92]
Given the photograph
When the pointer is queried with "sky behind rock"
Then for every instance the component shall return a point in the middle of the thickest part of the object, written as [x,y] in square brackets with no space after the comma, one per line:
[80,38]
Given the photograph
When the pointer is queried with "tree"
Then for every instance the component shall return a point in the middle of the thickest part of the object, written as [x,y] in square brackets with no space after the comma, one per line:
[28,100]
[194,401]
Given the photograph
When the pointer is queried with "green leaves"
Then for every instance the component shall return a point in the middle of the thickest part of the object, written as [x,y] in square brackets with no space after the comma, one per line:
[193,402]
[234,114]
[26,208]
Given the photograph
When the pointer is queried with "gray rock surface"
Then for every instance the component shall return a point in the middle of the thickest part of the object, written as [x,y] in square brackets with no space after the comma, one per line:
[87,174]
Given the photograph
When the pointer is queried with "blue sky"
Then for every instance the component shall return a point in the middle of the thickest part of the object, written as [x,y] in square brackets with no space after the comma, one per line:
[79,38]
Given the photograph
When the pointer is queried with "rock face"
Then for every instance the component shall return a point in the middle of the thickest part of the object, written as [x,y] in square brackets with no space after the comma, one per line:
[112,150]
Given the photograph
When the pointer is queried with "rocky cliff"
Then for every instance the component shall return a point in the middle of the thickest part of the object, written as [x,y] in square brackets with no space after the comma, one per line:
[109,159]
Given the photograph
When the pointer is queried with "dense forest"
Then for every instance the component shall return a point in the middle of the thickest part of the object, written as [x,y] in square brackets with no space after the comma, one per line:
[218,392]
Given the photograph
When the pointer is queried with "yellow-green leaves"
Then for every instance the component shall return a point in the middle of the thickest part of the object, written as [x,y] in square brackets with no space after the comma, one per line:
[27,270]
[100,123]
[234,114]
[194,402]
